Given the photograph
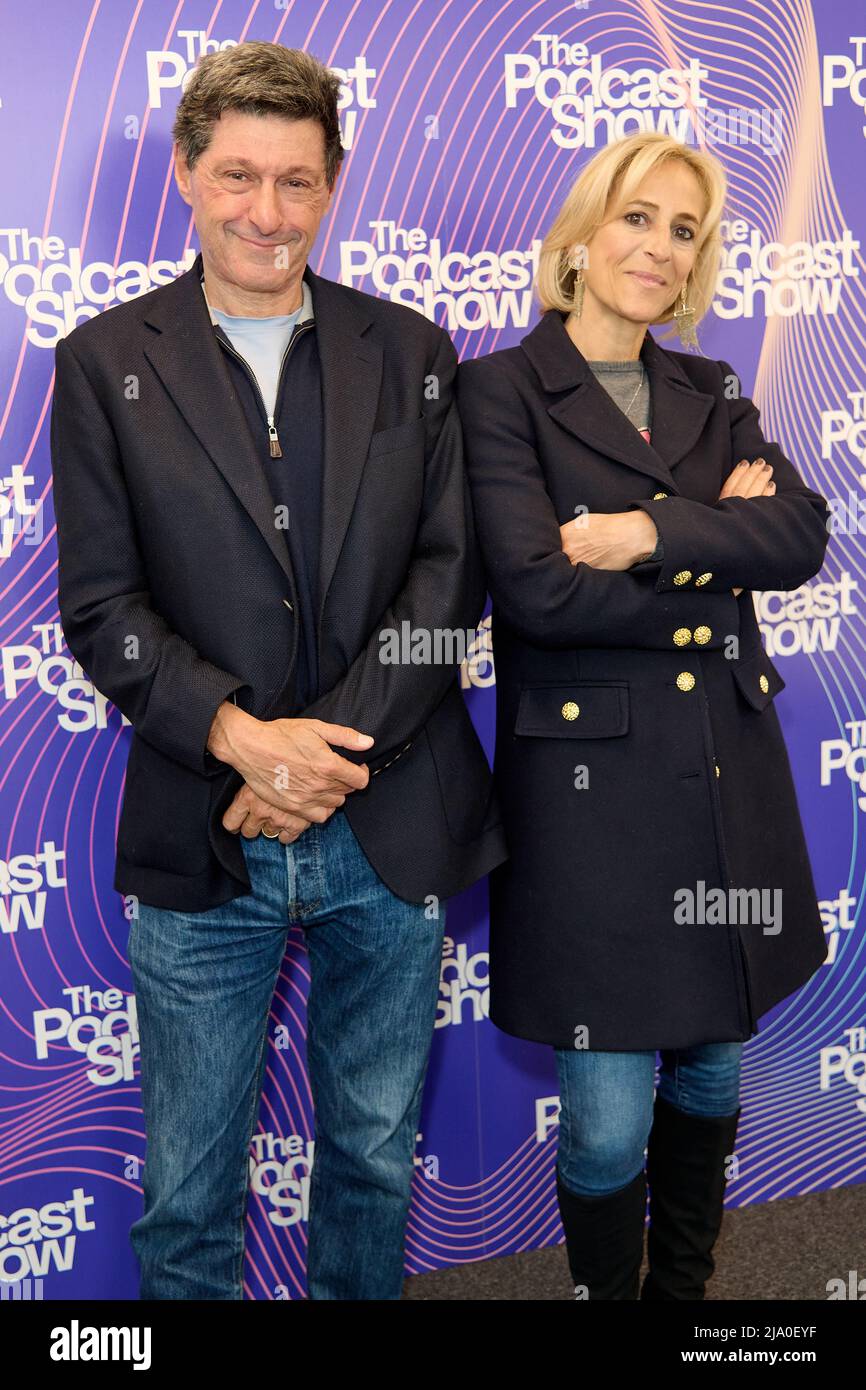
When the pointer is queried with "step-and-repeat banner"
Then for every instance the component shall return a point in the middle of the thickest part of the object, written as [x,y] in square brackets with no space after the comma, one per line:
[465,122]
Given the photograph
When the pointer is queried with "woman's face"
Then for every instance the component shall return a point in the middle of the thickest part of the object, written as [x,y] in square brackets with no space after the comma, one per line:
[638,260]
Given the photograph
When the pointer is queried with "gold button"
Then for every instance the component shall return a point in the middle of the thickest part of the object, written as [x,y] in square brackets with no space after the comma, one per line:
[704,578]
[702,635]
[682,636]
[685,680]
[764,684]
[657,496]
[570,710]
[682,577]
[717,768]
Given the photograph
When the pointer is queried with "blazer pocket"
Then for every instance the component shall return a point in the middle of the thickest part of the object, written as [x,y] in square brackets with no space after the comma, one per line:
[462,770]
[164,815]
[580,709]
[396,437]
[758,680]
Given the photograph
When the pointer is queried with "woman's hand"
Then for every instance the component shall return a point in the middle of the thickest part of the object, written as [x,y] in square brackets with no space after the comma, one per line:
[749,480]
[609,540]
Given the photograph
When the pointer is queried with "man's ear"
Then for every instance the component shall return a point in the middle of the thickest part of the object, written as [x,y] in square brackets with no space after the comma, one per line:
[181,174]
[333,189]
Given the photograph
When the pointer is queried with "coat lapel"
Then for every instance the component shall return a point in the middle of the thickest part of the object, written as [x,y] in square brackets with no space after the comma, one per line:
[351,367]
[584,408]
[192,367]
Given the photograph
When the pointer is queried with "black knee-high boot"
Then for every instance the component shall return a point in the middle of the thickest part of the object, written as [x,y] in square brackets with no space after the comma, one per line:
[604,1239]
[686,1157]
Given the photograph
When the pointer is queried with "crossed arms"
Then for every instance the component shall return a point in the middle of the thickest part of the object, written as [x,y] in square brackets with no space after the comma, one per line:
[574,585]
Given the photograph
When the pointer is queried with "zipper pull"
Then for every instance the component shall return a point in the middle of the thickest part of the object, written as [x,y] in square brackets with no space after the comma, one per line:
[276,451]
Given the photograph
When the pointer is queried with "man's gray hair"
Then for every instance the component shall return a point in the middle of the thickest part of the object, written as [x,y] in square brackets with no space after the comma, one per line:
[260,79]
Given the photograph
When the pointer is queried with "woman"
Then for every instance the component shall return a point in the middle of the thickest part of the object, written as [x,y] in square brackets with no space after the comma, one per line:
[626,502]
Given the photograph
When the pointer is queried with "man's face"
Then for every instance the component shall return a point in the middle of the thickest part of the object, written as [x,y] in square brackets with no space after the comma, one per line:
[258,194]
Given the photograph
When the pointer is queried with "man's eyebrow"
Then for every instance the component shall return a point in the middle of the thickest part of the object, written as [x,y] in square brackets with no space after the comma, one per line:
[683,216]
[247,164]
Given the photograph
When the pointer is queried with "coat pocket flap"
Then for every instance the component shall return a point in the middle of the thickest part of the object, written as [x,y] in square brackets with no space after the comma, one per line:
[396,437]
[581,709]
[758,679]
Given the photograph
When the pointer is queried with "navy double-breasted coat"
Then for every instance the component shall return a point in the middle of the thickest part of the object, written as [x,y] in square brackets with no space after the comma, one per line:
[639,759]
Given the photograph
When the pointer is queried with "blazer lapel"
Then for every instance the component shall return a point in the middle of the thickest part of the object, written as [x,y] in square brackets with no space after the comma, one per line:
[351,368]
[191,366]
[584,408]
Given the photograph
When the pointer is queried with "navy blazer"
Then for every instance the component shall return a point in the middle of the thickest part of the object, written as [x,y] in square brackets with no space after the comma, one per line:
[176,589]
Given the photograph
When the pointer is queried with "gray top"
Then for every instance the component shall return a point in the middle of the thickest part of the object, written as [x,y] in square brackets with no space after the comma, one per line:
[620,380]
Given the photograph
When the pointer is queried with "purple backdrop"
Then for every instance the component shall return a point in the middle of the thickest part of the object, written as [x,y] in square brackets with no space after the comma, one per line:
[465,124]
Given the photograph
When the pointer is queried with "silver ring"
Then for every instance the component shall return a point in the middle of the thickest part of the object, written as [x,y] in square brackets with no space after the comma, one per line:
[275,836]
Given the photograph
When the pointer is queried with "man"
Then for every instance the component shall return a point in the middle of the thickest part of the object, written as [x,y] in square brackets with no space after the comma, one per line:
[258,476]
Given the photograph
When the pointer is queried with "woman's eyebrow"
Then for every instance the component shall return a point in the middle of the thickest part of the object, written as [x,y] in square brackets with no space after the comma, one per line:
[684,216]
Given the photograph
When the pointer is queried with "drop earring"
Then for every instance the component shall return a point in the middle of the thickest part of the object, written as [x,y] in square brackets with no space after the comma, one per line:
[576,264]
[685,317]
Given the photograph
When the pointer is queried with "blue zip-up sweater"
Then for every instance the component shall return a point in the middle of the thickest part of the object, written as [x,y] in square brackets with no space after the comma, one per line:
[295,478]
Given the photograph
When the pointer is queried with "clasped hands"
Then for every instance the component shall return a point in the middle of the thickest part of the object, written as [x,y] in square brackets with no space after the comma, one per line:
[292,774]
[618,540]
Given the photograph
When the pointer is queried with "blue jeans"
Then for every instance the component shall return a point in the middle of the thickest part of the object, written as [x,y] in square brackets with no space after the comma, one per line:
[204,983]
[607,1106]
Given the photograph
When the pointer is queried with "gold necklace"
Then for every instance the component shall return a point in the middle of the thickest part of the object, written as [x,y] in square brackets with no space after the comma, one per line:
[632,401]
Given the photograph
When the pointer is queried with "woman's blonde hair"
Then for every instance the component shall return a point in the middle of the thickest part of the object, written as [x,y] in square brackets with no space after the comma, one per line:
[609,180]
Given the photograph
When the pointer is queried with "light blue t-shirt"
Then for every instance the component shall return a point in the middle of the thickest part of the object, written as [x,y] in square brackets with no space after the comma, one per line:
[261,342]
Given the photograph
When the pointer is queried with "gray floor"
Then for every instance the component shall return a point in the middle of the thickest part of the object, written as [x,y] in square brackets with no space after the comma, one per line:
[776,1250]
